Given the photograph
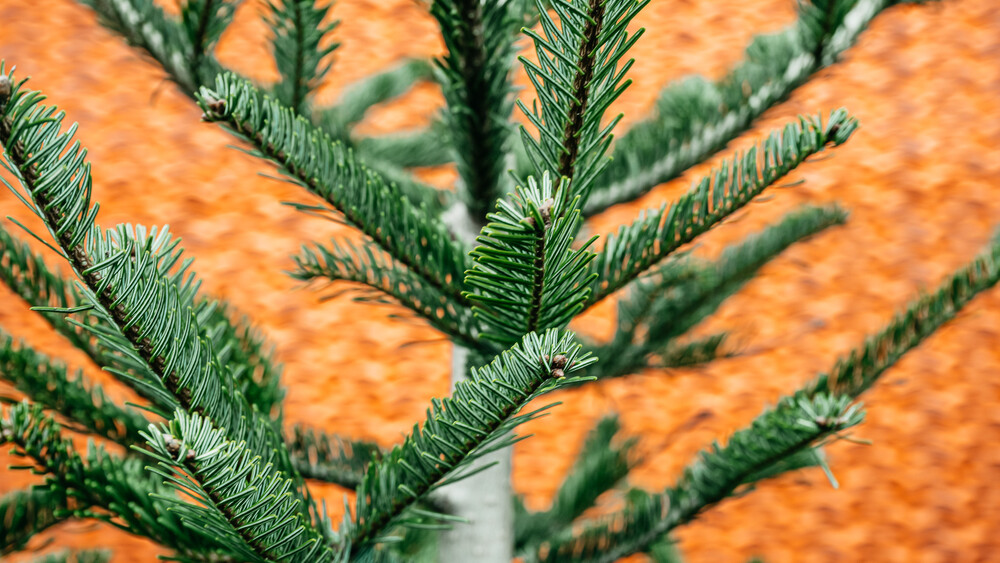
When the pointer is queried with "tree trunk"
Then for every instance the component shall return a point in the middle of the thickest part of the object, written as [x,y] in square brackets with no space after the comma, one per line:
[485,499]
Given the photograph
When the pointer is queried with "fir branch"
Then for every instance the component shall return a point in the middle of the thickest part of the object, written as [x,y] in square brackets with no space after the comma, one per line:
[378,88]
[682,293]
[600,466]
[768,445]
[247,352]
[576,79]
[621,355]
[694,353]
[129,276]
[694,118]
[804,459]
[695,299]
[657,233]
[203,22]
[47,383]
[326,168]
[23,514]
[818,19]
[144,25]
[429,199]
[474,79]
[329,458]
[854,373]
[248,505]
[105,487]
[477,419]
[794,425]
[27,275]
[81,556]
[666,551]
[584,74]
[420,147]
[300,47]
[236,343]
[526,276]
[343,260]
[58,190]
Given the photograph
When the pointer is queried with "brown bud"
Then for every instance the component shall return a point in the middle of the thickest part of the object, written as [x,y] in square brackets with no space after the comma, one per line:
[215,107]
[5,88]
[559,362]
[546,210]
[173,445]
[832,133]
[189,457]
[558,373]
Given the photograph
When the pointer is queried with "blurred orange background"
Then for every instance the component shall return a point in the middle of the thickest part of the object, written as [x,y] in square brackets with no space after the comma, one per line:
[921,179]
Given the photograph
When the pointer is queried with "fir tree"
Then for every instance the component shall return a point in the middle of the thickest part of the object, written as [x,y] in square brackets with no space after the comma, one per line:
[500,266]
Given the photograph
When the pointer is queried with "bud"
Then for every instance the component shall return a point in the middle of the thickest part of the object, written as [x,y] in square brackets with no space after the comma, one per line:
[5,88]
[558,373]
[546,210]
[173,445]
[215,108]
[559,362]
[831,135]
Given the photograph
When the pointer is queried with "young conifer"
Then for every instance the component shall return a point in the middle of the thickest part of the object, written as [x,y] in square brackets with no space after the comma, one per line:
[212,472]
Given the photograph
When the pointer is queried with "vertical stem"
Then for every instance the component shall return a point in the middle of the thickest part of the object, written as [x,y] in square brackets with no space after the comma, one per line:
[485,499]
[539,279]
[298,86]
[199,45]
[479,36]
[581,89]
